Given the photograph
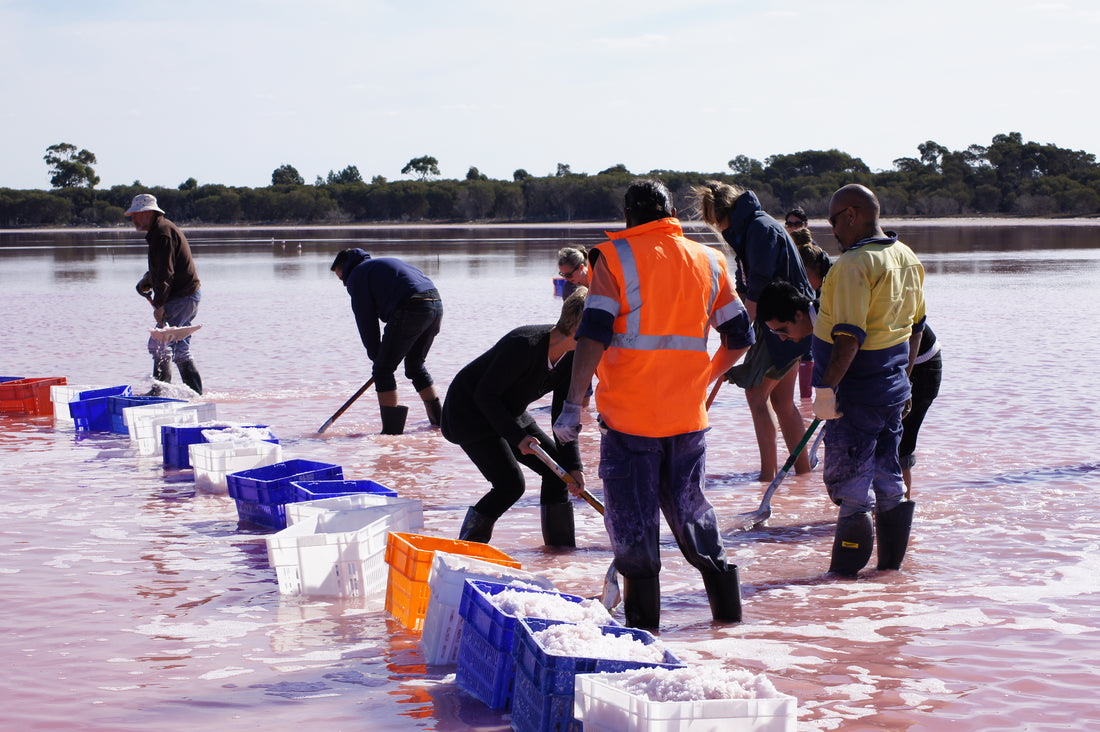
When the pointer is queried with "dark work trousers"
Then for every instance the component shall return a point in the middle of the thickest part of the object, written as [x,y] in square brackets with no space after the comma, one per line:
[500,463]
[925,382]
[408,336]
[644,477]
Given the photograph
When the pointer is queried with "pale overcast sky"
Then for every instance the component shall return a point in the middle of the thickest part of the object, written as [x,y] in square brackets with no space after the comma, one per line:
[227,91]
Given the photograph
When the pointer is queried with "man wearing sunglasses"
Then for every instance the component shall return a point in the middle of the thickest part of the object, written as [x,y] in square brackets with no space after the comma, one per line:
[865,339]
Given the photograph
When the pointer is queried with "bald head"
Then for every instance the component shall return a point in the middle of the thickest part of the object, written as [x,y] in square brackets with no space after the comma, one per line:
[853,214]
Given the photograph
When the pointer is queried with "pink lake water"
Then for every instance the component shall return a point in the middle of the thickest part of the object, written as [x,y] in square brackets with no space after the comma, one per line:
[130,602]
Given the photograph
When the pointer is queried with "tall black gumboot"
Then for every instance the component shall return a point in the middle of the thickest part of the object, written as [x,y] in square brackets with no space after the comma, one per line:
[892,529]
[642,602]
[724,594]
[190,376]
[393,419]
[162,372]
[434,408]
[476,527]
[557,525]
[852,544]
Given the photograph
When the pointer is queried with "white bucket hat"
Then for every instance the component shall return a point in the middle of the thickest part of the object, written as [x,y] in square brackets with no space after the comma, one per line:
[143,202]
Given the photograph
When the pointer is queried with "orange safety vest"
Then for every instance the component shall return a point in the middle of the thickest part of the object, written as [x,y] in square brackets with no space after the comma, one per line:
[653,376]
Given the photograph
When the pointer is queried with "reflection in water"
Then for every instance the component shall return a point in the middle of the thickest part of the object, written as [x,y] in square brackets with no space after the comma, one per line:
[131,602]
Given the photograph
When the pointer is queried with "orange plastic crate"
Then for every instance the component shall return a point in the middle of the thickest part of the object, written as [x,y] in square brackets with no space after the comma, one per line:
[410,558]
[28,396]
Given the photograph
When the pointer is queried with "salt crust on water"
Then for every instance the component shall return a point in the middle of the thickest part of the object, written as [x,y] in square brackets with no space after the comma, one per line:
[549,606]
[695,683]
[585,640]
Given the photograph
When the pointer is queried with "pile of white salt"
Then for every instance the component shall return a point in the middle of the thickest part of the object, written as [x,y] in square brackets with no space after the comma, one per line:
[695,683]
[549,606]
[585,640]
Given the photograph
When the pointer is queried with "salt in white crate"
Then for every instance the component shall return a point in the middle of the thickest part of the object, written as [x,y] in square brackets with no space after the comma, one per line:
[602,706]
[338,554]
[302,510]
[441,636]
[144,421]
[212,461]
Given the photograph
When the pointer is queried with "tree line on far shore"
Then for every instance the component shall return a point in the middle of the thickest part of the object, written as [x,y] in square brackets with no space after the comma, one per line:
[1008,177]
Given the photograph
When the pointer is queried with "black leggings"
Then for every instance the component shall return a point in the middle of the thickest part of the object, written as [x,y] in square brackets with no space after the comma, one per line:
[926,387]
[499,462]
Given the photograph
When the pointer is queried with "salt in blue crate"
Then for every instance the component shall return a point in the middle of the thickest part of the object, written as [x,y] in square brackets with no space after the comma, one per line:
[553,674]
[478,611]
[534,711]
[175,439]
[311,490]
[91,410]
[115,405]
[270,486]
[485,665]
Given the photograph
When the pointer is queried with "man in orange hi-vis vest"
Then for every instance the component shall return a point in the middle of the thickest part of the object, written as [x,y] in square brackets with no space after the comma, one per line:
[653,297]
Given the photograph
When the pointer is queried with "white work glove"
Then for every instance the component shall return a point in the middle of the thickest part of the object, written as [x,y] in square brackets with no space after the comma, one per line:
[825,403]
[568,424]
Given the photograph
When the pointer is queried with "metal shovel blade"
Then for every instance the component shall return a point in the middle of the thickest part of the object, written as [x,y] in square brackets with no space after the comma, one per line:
[745,521]
[611,595]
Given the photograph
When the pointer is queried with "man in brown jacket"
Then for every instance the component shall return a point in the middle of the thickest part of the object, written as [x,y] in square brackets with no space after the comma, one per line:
[171,286]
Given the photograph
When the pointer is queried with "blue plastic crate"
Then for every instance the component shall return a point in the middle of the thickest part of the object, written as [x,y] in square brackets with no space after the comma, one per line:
[270,486]
[311,490]
[175,439]
[534,711]
[486,673]
[115,405]
[91,410]
[553,674]
[10,378]
[486,668]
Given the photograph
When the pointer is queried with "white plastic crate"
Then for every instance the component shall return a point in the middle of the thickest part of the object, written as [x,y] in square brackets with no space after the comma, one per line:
[338,555]
[61,395]
[442,632]
[601,706]
[144,421]
[302,510]
[212,461]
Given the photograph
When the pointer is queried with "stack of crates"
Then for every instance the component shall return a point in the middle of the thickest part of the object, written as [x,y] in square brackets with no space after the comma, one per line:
[261,493]
[341,554]
[116,405]
[28,396]
[145,421]
[441,636]
[90,412]
[545,684]
[410,559]
[601,705]
[175,439]
[315,490]
[486,667]
[213,462]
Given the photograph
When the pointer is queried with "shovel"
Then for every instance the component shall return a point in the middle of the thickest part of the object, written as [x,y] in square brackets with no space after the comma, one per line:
[611,595]
[745,521]
[348,403]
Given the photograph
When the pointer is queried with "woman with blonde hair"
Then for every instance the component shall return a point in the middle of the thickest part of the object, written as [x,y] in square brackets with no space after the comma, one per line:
[764,253]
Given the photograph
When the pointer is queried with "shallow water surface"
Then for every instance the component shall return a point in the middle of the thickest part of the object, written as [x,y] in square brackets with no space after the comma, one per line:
[131,602]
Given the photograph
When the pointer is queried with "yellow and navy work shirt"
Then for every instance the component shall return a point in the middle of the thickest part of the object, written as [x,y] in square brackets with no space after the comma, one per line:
[653,298]
[874,292]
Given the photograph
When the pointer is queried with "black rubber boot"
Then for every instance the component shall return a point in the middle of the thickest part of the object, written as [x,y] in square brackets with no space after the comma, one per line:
[852,544]
[476,527]
[162,371]
[393,419]
[642,602]
[557,525]
[892,529]
[724,594]
[434,408]
[190,375]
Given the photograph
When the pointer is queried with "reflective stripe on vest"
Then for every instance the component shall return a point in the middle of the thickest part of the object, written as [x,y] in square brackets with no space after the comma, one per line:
[633,339]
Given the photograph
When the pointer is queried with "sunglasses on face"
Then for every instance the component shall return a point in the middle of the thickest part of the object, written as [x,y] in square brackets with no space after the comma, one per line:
[570,274]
